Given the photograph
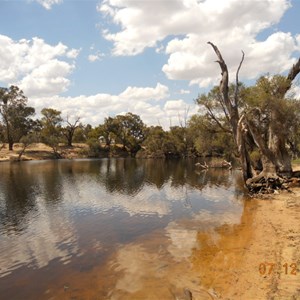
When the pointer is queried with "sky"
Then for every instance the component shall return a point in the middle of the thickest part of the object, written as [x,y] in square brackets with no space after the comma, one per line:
[93,59]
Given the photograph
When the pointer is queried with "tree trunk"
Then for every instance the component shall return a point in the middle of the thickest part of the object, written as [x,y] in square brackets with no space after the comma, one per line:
[281,156]
[70,142]
[10,145]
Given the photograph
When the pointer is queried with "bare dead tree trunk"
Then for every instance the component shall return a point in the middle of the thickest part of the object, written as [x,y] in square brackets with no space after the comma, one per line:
[69,130]
[232,107]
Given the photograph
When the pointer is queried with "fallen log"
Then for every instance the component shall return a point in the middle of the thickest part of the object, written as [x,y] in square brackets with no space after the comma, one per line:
[219,164]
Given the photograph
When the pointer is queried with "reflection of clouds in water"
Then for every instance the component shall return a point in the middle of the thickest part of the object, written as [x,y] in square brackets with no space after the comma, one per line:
[82,194]
[184,237]
[217,219]
[136,263]
[149,265]
[216,194]
[46,238]
[175,193]
[85,194]
[183,241]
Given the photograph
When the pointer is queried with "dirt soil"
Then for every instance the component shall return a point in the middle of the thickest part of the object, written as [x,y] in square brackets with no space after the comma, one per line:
[40,151]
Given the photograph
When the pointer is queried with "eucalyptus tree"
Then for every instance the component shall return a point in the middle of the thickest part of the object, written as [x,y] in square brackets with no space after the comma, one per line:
[51,132]
[15,114]
[262,119]
[129,129]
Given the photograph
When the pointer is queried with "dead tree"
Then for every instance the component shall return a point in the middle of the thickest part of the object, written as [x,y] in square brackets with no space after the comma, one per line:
[69,130]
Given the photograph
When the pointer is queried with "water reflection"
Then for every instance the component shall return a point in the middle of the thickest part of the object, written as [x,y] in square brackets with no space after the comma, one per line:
[68,217]
[200,255]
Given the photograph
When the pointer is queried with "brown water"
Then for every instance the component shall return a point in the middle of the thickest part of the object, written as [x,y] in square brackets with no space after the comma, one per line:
[117,229]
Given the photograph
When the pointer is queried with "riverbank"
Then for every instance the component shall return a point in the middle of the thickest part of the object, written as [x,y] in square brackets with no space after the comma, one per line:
[41,151]
[265,259]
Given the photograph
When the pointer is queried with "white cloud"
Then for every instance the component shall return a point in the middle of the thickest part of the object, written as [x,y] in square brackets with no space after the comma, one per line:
[233,25]
[73,53]
[35,66]
[137,93]
[172,105]
[47,4]
[97,56]
[142,101]
[184,92]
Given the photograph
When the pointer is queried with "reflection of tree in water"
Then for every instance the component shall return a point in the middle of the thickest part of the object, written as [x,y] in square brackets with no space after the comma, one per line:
[183,172]
[18,190]
[157,171]
[128,176]
[21,184]
[124,176]
[52,184]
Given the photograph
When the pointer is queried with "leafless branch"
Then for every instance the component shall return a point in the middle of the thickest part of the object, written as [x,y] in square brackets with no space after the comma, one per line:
[237,80]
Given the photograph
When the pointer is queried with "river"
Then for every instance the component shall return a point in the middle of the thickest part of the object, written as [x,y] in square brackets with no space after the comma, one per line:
[113,228]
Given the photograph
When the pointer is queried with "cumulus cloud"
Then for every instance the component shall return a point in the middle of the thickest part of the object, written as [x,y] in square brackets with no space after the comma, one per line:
[150,103]
[232,25]
[138,93]
[47,4]
[96,56]
[35,66]
[184,92]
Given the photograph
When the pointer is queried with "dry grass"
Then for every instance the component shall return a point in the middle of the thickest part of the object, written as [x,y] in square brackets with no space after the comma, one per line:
[40,151]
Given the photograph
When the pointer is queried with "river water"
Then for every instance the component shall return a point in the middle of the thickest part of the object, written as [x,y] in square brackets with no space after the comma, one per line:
[114,228]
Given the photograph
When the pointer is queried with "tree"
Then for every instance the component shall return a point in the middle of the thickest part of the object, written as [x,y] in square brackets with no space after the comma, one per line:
[155,139]
[259,125]
[107,131]
[15,114]
[69,130]
[51,128]
[209,139]
[130,131]
[26,141]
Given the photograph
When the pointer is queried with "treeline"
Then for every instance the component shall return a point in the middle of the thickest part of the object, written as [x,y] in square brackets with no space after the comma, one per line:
[206,134]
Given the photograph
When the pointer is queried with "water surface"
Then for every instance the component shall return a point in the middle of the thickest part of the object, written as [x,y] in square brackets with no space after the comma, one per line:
[111,228]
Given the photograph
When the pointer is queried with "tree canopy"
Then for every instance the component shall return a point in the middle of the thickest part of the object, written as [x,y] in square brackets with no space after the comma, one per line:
[15,114]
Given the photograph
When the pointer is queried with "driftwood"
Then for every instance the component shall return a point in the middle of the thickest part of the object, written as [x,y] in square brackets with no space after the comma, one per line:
[221,164]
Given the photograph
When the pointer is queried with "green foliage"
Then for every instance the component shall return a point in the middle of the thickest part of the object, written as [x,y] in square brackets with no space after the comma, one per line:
[94,147]
[209,139]
[129,130]
[15,114]
[51,132]
[155,139]
[273,113]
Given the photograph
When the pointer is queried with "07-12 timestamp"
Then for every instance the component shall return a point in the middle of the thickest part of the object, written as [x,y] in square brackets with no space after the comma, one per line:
[269,268]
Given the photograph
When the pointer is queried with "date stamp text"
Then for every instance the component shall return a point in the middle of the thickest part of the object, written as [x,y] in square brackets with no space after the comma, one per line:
[268,268]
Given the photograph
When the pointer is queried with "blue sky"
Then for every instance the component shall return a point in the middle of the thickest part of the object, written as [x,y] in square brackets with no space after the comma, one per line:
[98,58]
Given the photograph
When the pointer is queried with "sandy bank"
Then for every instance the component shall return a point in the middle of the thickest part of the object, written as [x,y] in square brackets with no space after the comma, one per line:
[268,260]
[41,151]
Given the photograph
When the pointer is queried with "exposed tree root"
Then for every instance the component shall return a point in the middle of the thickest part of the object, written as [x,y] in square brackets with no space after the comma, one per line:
[269,183]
